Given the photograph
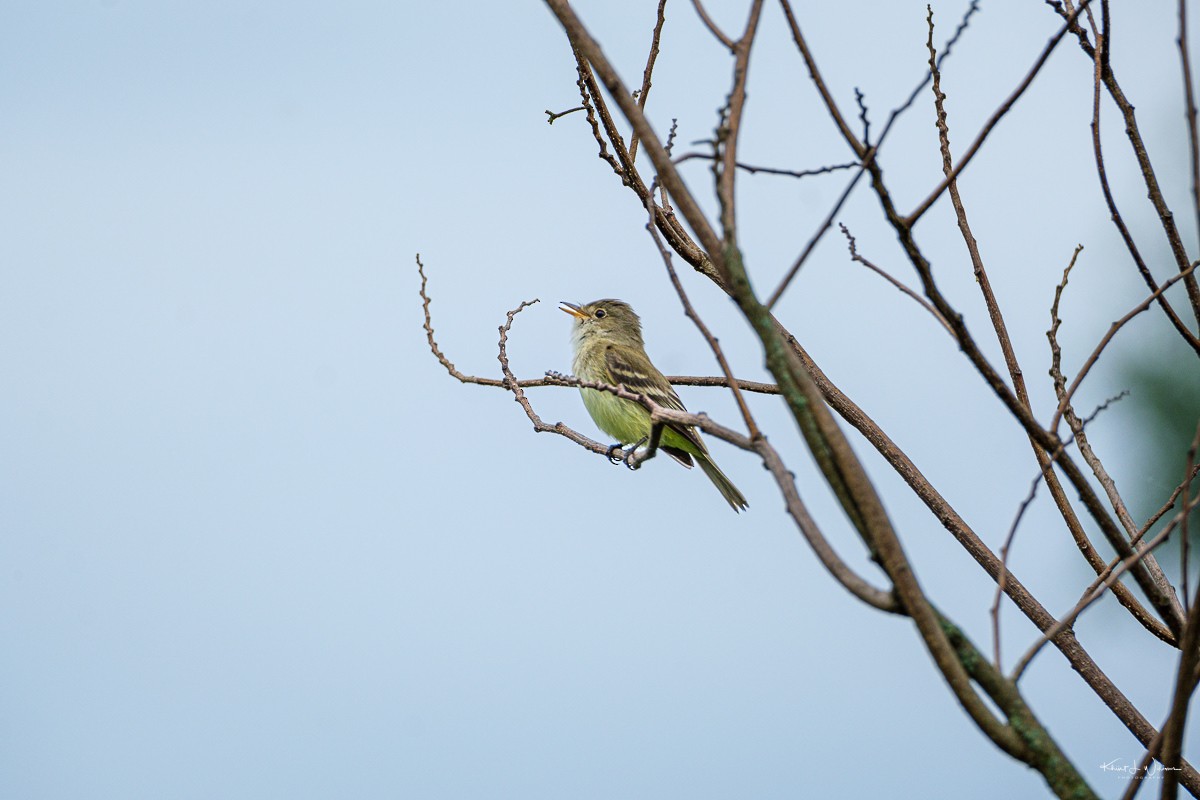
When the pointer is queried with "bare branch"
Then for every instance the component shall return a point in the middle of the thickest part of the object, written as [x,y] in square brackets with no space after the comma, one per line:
[870,151]
[713,344]
[988,126]
[1189,659]
[1108,579]
[1166,218]
[1122,593]
[745,386]
[1044,457]
[850,580]
[1108,692]
[1108,336]
[1099,57]
[711,258]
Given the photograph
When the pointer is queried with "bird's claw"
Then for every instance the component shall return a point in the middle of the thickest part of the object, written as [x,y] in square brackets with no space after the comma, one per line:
[630,458]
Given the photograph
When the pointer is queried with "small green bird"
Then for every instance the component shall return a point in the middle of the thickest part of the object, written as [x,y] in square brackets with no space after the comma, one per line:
[607,339]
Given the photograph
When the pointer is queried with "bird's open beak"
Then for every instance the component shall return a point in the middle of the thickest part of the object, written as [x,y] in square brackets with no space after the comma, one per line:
[573,310]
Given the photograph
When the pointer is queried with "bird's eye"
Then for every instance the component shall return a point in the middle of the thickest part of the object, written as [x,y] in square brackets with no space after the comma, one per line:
[601,313]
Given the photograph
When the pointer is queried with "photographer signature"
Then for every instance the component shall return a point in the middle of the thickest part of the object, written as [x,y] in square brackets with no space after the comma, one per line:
[1153,771]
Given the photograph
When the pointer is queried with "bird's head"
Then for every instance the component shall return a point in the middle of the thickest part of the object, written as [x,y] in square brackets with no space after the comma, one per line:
[608,319]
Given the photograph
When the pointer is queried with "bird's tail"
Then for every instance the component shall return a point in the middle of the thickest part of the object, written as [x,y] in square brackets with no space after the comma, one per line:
[723,484]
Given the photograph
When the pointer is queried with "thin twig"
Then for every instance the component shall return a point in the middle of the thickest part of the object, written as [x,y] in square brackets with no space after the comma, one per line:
[960,212]
[861,100]
[753,170]
[1073,422]
[555,115]
[925,304]
[825,225]
[1189,97]
[437,353]
[712,26]
[947,49]
[1056,322]
[644,92]
[1185,489]
[860,149]
[729,131]
[1167,506]
[585,83]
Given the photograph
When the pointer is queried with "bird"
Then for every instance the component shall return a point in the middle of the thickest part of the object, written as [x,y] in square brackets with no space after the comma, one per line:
[606,337]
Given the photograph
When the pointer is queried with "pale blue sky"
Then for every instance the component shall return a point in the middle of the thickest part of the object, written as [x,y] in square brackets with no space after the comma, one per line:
[255,543]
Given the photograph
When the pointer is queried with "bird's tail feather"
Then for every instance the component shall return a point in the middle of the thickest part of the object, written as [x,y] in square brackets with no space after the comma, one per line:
[723,484]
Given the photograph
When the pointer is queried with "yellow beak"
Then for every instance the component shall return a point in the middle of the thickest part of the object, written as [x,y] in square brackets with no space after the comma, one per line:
[573,310]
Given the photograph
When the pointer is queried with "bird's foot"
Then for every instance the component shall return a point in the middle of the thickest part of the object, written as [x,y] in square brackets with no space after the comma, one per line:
[631,460]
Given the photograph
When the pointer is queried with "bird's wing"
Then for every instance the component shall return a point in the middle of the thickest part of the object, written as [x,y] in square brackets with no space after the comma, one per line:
[636,372]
